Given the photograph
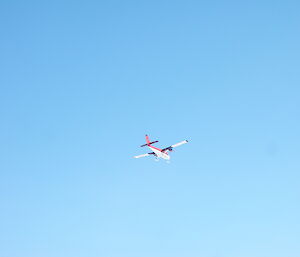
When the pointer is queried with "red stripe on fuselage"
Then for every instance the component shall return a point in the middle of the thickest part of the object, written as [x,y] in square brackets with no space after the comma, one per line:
[157,149]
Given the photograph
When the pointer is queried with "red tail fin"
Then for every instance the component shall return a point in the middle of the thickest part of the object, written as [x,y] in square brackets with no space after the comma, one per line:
[148,141]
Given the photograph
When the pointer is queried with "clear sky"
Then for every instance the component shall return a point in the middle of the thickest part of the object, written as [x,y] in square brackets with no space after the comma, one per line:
[82,82]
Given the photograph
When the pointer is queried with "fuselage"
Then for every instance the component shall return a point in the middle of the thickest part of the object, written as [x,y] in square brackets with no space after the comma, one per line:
[158,152]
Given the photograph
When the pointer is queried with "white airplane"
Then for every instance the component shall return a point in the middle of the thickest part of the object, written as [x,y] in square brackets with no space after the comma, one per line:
[159,153]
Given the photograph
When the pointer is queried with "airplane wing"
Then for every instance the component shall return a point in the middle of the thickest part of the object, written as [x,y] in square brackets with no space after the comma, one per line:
[143,155]
[175,145]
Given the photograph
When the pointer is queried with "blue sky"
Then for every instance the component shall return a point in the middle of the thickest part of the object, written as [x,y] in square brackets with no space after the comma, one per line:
[81,82]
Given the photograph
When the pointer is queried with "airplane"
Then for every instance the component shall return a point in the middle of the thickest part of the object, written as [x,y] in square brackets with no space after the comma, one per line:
[159,153]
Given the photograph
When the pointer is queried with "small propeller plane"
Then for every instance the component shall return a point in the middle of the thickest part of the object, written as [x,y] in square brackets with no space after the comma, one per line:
[159,153]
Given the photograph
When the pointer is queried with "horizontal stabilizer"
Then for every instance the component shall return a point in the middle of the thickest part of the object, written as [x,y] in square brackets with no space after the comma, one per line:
[150,143]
